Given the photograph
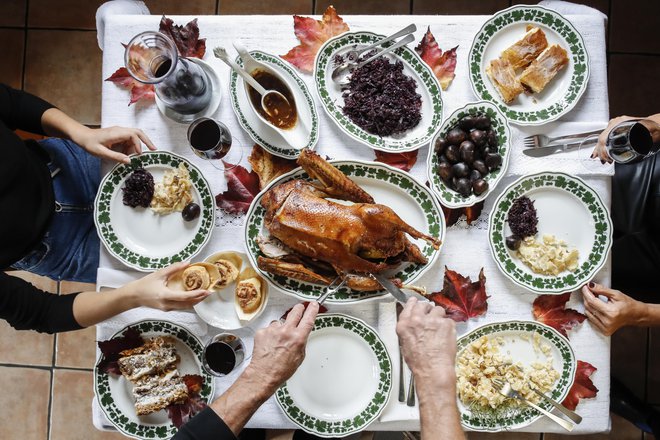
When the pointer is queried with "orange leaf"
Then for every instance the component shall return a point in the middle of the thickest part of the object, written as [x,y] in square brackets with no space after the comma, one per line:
[312,34]
[551,310]
[472,213]
[138,90]
[404,161]
[442,64]
[583,387]
[460,297]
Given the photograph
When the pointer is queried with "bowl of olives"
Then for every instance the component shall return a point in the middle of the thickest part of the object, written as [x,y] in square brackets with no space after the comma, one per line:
[469,155]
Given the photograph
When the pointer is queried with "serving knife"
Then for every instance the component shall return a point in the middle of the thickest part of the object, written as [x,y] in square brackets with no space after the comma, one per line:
[402,377]
[394,290]
[552,149]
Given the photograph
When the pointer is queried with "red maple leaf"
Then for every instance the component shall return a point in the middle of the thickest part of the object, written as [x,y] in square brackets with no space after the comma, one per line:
[322,309]
[122,78]
[404,161]
[472,213]
[111,348]
[242,186]
[551,310]
[460,297]
[186,38]
[442,64]
[583,387]
[312,34]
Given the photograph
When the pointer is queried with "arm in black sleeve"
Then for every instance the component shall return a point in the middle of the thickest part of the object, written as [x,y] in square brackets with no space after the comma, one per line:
[25,307]
[206,425]
[21,110]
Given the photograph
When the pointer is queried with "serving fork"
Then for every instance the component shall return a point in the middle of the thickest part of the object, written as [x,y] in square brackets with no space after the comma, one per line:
[541,140]
[505,389]
[332,288]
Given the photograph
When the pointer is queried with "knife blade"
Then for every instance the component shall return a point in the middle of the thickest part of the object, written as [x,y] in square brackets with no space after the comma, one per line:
[550,149]
[394,290]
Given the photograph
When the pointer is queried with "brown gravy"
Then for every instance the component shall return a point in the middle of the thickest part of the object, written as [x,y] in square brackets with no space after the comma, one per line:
[282,114]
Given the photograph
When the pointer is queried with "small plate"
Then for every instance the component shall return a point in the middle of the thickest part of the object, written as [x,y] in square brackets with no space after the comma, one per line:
[218,309]
[114,393]
[140,238]
[344,382]
[449,197]
[413,66]
[517,336]
[561,94]
[568,209]
[260,132]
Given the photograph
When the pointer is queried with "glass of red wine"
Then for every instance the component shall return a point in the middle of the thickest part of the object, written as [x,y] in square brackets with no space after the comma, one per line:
[212,140]
[224,353]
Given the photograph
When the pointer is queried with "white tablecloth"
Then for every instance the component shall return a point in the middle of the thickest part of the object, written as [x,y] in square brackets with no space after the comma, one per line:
[465,249]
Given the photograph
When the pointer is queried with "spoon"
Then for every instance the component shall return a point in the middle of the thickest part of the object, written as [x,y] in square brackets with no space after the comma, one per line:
[267,96]
[353,55]
[345,79]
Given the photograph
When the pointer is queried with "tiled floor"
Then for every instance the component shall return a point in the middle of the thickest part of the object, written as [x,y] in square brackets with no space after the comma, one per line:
[49,48]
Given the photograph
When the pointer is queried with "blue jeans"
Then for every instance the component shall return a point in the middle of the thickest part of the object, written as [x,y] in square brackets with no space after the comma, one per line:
[70,248]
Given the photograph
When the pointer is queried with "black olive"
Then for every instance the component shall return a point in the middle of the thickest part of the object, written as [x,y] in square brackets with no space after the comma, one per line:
[474,175]
[191,211]
[464,187]
[442,158]
[440,145]
[456,136]
[493,140]
[466,151]
[480,166]
[451,152]
[478,137]
[482,122]
[513,242]
[445,171]
[479,186]
[467,123]
[493,161]
[460,170]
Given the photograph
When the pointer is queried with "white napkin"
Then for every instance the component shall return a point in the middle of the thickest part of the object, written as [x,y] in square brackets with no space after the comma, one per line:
[117,7]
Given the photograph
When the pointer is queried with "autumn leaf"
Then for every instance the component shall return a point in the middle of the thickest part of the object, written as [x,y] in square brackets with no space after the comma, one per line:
[583,387]
[111,348]
[551,310]
[322,309]
[312,34]
[138,90]
[242,186]
[472,213]
[186,38]
[460,297]
[442,64]
[404,161]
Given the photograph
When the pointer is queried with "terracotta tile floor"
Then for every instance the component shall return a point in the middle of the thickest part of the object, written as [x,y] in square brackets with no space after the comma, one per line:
[44,47]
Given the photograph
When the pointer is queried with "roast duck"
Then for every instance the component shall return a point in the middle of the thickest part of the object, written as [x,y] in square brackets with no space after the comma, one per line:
[315,239]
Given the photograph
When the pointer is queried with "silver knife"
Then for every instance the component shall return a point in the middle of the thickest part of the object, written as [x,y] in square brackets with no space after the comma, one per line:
[397,293]
[550,149]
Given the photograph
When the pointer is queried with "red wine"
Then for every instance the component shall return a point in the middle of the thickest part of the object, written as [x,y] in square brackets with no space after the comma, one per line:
[205,136]
[640,139]
[220,357]
[163,68]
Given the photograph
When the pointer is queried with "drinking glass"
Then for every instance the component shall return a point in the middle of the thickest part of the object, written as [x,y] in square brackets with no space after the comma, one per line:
[628,142]
[224,353]
[182,85]
[211,140]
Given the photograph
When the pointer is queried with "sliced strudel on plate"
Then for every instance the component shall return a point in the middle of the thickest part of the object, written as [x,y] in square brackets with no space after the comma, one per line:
[544,68]
[524,51]
[504,79]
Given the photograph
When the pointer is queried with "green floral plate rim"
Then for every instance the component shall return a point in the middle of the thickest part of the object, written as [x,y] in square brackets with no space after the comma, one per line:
[341,428]
[107,402]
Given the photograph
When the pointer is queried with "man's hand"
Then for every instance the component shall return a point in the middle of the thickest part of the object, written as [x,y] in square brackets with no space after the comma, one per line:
[619,310]
[113,143]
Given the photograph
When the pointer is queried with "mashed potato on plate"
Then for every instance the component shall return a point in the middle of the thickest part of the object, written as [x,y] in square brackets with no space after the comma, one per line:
[550,256]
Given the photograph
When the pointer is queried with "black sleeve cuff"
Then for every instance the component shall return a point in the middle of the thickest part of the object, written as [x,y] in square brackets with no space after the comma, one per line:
[206,425]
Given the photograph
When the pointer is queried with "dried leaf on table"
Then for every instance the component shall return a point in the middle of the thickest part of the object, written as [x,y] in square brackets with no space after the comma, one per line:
[138,90]
[186,38]
[312,34]
[551,310]
[322,309]
[472,213]
[242,186]
[442,64]
[583,387]
[404,161]
[268,166]
[111,348]
[460,297]
[181,413]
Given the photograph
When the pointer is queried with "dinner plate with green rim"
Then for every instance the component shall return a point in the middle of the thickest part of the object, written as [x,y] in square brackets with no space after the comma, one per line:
[562,93]
[411,200]
[567,208]
[331,95]
[114,392]
[518,344]
[261,133]
[449,197]
[344,382]
[140,238]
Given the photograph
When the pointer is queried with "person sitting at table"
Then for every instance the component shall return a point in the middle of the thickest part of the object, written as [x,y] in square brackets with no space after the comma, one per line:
[428,344]
[47,189]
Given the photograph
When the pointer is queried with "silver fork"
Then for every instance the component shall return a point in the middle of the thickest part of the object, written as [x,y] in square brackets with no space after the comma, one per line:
[504,388]
[541,140]
[332,288]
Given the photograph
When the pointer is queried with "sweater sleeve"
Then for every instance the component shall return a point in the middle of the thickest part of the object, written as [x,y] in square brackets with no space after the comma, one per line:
[21,110]
[25,307]
[206,425]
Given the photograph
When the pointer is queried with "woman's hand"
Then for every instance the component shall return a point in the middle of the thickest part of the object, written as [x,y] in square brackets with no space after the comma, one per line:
[113,143]
[600,151]
[619,310]
[152,291]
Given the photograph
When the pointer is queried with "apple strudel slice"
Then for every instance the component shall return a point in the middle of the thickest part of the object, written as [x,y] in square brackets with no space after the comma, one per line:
[544,68]
[524,51]
[504,79]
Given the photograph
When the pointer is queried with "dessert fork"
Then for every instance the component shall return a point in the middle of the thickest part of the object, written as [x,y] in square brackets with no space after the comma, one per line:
[541,140]
[505,389]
